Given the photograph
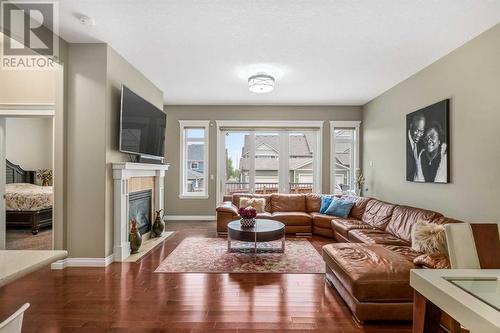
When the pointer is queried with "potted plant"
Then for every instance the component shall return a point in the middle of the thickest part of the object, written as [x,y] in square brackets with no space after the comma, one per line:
[248,215]
[45,175]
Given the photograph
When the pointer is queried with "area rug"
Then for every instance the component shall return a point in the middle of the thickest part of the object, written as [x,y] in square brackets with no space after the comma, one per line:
[210,255]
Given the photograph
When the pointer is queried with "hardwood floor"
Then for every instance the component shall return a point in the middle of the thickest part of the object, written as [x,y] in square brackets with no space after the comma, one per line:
[129,297]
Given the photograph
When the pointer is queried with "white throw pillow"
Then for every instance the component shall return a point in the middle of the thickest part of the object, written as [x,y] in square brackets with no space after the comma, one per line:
[258,203]
[428,238]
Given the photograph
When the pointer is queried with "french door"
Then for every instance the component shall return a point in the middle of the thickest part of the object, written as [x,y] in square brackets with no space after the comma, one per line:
[268,161]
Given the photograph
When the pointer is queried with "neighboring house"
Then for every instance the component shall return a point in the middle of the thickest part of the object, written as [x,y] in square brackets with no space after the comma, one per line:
[195,168]
[300,163]
[267,162]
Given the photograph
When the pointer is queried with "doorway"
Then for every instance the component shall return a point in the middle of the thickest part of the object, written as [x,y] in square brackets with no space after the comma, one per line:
[269,160]
[28,160]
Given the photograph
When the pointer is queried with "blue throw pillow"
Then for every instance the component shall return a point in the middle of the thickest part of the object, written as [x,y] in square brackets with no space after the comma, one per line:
[325,203]
[339,207]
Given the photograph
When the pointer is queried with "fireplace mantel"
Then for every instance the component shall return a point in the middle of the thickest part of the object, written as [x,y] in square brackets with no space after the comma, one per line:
[122,173]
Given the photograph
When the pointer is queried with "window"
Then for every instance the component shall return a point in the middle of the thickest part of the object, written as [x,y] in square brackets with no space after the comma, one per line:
[266,157]
[194,159]
[344,155]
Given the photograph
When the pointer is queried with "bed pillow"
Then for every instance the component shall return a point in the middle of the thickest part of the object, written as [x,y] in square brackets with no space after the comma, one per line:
[326,200]
[340,208]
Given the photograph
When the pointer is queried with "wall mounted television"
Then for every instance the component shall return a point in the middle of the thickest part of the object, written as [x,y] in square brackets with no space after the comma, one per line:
[142,126]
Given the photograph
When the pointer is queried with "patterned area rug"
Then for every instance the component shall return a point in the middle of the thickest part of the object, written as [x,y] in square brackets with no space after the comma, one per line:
[210,255]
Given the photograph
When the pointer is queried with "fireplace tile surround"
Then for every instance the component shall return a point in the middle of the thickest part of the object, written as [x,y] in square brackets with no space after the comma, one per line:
[128,178]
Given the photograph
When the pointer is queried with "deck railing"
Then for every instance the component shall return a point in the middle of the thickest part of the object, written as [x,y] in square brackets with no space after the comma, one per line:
[267,188]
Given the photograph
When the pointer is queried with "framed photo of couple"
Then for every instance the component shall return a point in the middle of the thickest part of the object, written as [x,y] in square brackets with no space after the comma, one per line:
[428,145]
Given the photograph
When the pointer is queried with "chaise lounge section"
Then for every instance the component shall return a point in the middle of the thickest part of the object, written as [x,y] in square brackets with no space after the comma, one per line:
[370,262]
[370,266]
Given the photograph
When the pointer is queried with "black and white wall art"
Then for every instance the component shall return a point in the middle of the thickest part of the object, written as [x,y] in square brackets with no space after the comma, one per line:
[427,144]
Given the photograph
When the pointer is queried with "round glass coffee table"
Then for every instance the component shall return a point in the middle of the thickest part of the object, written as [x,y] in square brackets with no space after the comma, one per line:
[263,231]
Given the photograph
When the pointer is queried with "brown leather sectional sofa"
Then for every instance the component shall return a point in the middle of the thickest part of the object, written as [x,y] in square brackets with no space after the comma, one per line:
[299,213]
[370,262]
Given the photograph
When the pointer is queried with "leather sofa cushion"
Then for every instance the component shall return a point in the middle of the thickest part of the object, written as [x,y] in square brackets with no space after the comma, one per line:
[405,251]
[288,202]
[342,226]
[374,236]
[322,220]
[293,218]
[404,218]
[265,215]
[370,273]
[359,207]
[377,213]
[313,202]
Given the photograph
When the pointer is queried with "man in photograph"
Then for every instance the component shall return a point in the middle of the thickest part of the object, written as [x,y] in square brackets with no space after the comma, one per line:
[414,144]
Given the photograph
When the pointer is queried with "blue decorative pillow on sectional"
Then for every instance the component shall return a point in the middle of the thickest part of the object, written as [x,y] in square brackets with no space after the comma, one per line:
[339,207]
[326,200]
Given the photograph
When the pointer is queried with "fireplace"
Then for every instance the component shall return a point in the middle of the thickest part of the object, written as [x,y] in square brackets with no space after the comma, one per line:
[140,209]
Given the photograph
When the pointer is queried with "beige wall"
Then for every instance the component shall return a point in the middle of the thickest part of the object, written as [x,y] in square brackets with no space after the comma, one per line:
[27,86]
[86,150]
[176,206]
[119,72]
[95,75]
[470,77]
[29,142]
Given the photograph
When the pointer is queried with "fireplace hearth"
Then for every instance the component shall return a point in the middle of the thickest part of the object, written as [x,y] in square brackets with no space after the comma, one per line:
[140,203]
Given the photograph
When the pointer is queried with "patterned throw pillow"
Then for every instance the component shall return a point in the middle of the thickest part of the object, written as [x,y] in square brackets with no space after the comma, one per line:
[258,203]
[339,207]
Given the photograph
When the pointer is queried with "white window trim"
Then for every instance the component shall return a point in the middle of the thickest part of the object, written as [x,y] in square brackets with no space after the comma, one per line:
[342,124]
[183,124]
[263,124]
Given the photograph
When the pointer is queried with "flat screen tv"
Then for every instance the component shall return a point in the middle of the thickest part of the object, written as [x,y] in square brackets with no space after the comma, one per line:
[142,126]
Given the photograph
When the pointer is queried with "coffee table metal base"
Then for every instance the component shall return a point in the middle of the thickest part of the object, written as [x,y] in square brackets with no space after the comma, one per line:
[255,248]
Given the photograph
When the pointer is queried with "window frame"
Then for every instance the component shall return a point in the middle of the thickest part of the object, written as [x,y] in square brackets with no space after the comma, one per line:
[183,126]
[270,125]
[356,125]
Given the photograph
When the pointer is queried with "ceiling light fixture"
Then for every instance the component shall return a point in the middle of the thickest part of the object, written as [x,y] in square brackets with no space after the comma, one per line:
[261,83]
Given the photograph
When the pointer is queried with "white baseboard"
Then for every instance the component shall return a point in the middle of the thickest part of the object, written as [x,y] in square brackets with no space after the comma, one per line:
[190,217]
[82,262]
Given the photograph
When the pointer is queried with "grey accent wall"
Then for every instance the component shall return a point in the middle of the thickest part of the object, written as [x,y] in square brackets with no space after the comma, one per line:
[470,77]
[176,206]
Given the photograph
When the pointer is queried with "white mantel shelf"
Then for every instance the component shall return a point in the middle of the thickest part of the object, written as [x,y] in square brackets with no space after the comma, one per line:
[139,166]
[122,172]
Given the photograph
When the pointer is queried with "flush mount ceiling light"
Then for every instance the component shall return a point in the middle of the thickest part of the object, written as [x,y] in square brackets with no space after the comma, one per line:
[261,83]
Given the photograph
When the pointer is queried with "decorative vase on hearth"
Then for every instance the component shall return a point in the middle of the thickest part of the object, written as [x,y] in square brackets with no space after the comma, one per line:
[134,237]
[158,225]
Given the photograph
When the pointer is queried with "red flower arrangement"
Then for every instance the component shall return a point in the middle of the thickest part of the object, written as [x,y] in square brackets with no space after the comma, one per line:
[247,212]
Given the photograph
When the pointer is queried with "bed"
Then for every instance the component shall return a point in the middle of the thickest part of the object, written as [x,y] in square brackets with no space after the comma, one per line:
[26,204]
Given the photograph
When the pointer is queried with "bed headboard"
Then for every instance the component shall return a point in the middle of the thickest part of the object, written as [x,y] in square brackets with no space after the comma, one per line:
[15,174]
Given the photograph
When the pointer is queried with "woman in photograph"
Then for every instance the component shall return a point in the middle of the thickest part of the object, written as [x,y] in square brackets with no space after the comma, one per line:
[432,161]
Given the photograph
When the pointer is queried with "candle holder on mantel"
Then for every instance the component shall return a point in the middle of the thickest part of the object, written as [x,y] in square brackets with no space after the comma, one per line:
[158,225]
[134,237]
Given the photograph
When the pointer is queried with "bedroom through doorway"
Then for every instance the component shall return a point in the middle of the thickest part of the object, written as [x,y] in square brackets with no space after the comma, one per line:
[29,198]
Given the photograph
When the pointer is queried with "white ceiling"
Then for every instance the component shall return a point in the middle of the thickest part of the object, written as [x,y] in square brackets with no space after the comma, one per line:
[321,52]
